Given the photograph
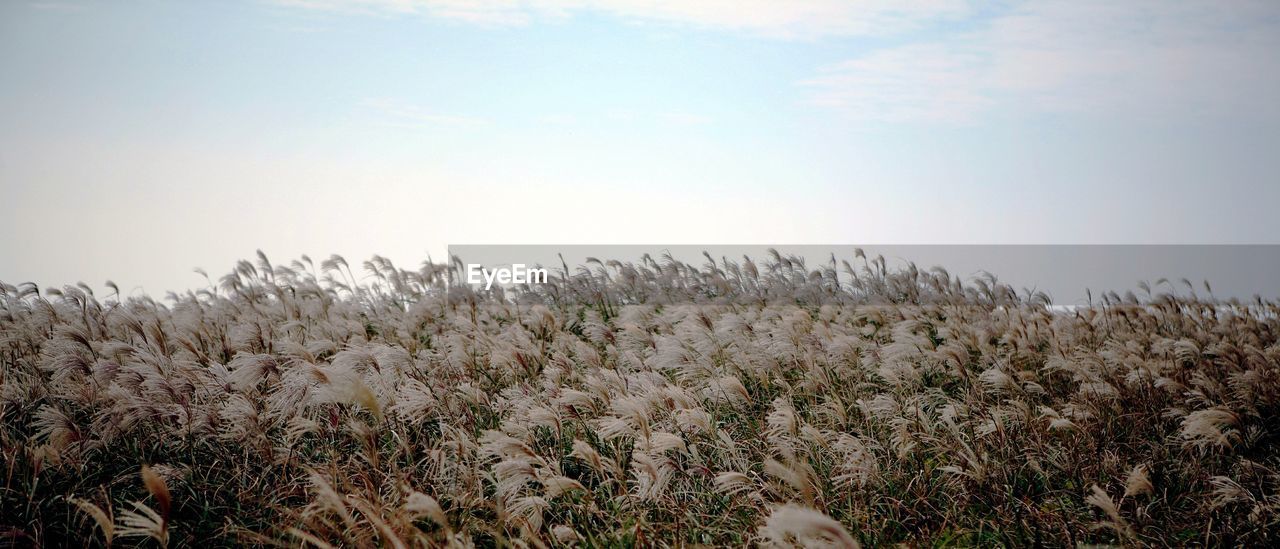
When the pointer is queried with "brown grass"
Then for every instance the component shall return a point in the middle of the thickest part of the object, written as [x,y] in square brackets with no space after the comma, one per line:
[658,403]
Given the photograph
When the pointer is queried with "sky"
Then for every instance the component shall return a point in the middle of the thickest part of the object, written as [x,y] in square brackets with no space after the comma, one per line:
[141,139]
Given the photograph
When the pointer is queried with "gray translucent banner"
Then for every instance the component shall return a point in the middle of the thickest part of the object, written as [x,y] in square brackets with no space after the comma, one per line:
[1067,274]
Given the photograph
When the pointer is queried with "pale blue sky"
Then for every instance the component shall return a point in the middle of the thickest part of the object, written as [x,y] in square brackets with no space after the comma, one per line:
[139,139]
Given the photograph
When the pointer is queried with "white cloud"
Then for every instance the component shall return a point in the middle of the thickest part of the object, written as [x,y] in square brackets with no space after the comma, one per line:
[1138,57]
[557,119]
[915,82]
[790,18]
[399,113]
[1143,57]
[681,118]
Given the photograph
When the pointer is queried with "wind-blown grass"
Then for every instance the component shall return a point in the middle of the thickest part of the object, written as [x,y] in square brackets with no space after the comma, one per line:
[657,403]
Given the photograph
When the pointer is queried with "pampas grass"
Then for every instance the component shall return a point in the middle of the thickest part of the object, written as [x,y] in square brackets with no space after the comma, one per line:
[649,404]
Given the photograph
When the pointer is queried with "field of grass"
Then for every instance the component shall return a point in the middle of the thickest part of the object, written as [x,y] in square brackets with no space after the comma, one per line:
[649,404]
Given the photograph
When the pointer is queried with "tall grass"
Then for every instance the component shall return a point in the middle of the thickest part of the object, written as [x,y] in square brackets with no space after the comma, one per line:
[657,403]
